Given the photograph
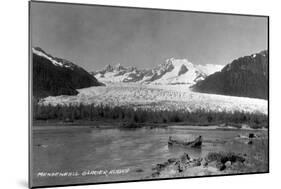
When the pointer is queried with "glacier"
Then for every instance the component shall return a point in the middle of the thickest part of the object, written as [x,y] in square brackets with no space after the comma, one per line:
[159,97]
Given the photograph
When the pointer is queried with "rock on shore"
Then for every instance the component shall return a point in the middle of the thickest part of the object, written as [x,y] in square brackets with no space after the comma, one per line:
[214,163]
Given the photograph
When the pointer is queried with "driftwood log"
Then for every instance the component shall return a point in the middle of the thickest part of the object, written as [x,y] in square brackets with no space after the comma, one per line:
[195,143]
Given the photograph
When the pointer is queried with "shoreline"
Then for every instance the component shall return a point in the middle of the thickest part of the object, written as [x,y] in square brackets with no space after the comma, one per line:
[214,163]
[54,124]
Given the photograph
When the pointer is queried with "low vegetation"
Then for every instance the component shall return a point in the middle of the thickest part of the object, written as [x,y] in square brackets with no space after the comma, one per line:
[223,157]
[133,116]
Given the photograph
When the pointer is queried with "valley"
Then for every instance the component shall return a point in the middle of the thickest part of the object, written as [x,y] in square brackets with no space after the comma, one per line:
[120,119]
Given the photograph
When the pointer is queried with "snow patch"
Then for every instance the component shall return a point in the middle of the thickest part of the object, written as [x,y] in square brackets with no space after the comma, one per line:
[209,69]
[173,76]
[40,53]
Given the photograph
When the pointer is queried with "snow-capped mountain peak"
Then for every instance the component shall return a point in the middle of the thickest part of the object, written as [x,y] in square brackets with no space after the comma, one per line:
[54,76]
[56,61]
[176,71]
[171,71]
[118,67]
[177,62]
[108,68]
[40,52]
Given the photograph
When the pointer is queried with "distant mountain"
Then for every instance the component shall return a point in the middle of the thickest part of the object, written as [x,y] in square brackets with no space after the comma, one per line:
[119,73]
[55,76]
[172,71]
[246,76]
[175,71]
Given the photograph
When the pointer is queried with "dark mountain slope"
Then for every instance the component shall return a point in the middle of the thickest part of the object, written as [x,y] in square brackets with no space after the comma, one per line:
[54,76]
[246,76]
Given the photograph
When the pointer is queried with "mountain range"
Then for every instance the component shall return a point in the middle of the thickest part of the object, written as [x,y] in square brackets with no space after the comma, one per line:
[246,76]
[172,71]
[54,76]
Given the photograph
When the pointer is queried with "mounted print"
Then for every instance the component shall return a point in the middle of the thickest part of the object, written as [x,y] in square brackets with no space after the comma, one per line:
[120,94]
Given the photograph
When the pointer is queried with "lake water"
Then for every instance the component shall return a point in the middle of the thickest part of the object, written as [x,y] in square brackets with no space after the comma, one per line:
[135,150]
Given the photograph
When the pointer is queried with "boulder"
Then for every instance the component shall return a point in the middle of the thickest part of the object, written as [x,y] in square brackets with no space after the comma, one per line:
[195,163]
[185,158]
[172,160]
[155,174]
[228,164]
[220,166]
[160,166]
[204,162]
[252,135]
[250,142]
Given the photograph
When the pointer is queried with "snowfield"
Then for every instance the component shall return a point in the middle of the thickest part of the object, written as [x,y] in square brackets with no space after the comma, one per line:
[183,72]
[159,97]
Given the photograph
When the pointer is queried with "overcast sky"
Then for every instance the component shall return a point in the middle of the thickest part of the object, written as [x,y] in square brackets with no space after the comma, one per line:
[93,37]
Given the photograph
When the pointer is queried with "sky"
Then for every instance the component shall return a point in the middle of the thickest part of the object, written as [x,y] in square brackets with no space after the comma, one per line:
[95,36]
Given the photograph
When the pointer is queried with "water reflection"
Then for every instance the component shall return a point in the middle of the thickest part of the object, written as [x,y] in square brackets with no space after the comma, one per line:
[195,152]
